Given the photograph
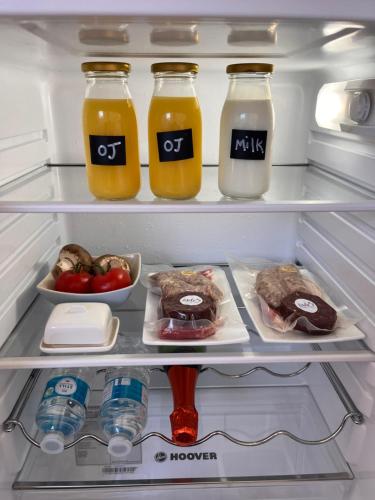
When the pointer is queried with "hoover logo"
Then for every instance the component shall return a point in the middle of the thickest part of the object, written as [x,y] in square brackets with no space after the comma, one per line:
[161,456]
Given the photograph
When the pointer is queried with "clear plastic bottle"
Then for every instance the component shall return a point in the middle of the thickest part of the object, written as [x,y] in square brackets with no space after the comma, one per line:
[123,412]
[62,409]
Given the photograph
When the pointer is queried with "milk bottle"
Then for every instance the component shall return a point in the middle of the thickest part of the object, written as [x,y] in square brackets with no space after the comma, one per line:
[246,132]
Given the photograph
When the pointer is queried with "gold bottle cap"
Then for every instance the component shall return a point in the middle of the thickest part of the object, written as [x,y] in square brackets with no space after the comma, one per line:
[176,67]
[105,66]
[250,68]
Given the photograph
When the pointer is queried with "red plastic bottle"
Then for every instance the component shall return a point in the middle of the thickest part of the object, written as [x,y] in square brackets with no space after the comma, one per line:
[184,418]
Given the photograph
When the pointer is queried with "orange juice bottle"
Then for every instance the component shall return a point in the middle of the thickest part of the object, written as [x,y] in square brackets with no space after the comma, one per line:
[110,132]
[175,132]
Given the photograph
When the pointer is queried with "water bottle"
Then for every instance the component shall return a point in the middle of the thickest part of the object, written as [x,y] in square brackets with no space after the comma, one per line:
[62,409]
[123,412]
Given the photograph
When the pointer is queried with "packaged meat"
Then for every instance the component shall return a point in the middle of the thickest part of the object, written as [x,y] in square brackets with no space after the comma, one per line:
[174,282]
[274,283]
[196,311]
[173,330]
[309,313]
[290,299]
[295,302]
[191,304]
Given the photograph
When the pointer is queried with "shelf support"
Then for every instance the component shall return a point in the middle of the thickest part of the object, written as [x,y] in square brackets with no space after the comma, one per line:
[352,413]
[345,398]
[255,369]
[11,422]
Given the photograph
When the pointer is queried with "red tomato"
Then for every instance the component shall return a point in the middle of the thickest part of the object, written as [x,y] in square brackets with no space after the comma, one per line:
[112,280]
[73,282]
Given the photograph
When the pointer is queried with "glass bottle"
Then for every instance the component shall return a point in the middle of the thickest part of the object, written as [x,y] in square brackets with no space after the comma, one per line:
[175,132]
[184,418]
[183,379]
[110,132]
[246,132]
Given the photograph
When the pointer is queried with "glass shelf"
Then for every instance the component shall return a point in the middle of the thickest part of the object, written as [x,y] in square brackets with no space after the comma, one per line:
[248,414]
[63,189]
[222,31]
[21,350]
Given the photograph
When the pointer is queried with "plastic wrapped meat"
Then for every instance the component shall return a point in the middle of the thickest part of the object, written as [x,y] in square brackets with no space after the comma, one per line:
[189,307]
[310,313]
[174,282]
[275,283]
[188,304]
[289,301]
[186,333]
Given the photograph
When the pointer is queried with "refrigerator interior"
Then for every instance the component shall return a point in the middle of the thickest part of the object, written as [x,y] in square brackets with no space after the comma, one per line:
[319,212]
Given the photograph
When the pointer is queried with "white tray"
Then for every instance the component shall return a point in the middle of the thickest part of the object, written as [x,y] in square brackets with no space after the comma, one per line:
[64,348]
[233,330]
[243,281]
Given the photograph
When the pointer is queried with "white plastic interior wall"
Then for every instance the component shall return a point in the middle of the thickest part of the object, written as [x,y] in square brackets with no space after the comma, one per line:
[41,95]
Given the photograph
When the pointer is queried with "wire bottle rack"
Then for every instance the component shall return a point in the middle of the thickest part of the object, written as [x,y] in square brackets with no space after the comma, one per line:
[352,413]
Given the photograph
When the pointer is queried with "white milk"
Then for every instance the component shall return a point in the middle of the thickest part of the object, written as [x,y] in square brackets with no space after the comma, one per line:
[246,133]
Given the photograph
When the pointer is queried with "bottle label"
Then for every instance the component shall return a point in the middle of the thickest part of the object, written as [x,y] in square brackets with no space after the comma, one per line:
[69,386]
[175,145]
[248,144]
[125,387]
[108,150]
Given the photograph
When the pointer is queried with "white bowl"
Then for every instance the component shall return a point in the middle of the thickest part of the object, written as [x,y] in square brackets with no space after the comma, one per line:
[114,298]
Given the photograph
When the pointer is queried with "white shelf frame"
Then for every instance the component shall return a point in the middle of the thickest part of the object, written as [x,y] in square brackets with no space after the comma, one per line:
[186,207]
[253,352]
[209,358]
[209,200]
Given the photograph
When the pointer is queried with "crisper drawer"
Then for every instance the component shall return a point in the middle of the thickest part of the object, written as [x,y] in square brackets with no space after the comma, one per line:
[247,414]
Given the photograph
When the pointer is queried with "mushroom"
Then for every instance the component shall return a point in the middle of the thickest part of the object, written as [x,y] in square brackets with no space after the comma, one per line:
[69,257]
[106,262]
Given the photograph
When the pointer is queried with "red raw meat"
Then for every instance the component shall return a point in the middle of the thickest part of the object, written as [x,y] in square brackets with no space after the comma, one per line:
[187,333]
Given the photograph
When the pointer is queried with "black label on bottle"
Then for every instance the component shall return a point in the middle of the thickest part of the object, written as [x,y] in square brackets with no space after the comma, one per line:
[248,144]
[107,150]
[175,145]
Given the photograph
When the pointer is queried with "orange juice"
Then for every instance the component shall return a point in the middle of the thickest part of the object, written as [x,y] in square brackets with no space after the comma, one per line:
[179,178]
[111,147]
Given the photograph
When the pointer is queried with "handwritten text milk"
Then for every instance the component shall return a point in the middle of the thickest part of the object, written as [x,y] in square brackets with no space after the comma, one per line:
[246,132]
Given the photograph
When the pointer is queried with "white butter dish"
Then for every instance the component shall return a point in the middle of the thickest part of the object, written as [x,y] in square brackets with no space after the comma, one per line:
[70,324]
[77,348]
